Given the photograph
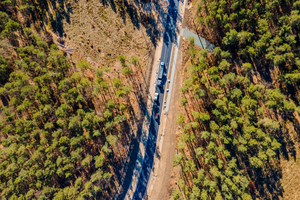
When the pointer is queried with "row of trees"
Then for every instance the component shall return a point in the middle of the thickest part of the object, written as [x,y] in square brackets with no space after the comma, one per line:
[232,122]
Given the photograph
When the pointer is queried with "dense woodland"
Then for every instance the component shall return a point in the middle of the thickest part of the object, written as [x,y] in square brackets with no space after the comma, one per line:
[238,100]
[54,145]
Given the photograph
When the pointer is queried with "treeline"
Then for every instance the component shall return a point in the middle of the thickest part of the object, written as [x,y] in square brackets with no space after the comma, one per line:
[25,12]
[61,129]
[231,130]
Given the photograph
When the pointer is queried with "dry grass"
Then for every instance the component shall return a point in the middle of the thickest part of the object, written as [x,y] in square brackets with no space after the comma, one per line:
[99,33]
[291,169]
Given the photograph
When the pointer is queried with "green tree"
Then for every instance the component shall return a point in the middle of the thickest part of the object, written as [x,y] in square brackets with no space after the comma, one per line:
[127,89]
[107,114]
[10,27]
[196,192]
[230,77]
[203,117]
[192,41]
[117,83]
[99,72]
[99,161]
[119,93]
[110,104]
[288,106]
[112,139]
[84,65]
[244,37]
[122,107]
[180,119]
[122,59]
[134,60]
[217,51]
[215,91]
[177,159]
[87,160]
[236,94]
[183,101]
[126,71]
[224,65]
[231,37]
[214,126]
[255,162]
[246,67]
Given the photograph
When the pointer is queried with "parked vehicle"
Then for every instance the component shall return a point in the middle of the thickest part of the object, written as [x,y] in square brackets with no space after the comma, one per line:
[156,97]
[161,70]
[156,111]
[156,115]
[156,94]
[159,83]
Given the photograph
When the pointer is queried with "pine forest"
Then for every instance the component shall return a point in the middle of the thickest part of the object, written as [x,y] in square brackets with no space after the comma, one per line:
[240,101]
[64,126]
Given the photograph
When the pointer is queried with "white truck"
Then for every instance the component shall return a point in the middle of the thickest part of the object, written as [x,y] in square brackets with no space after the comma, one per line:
[156,94]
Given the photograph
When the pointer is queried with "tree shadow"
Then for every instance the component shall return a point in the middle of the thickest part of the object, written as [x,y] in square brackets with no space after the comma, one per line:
[139,13]
[129,164]
[61,14]
[110,3]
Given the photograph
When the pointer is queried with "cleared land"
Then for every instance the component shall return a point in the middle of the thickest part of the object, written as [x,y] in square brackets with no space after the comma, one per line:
[100,32]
